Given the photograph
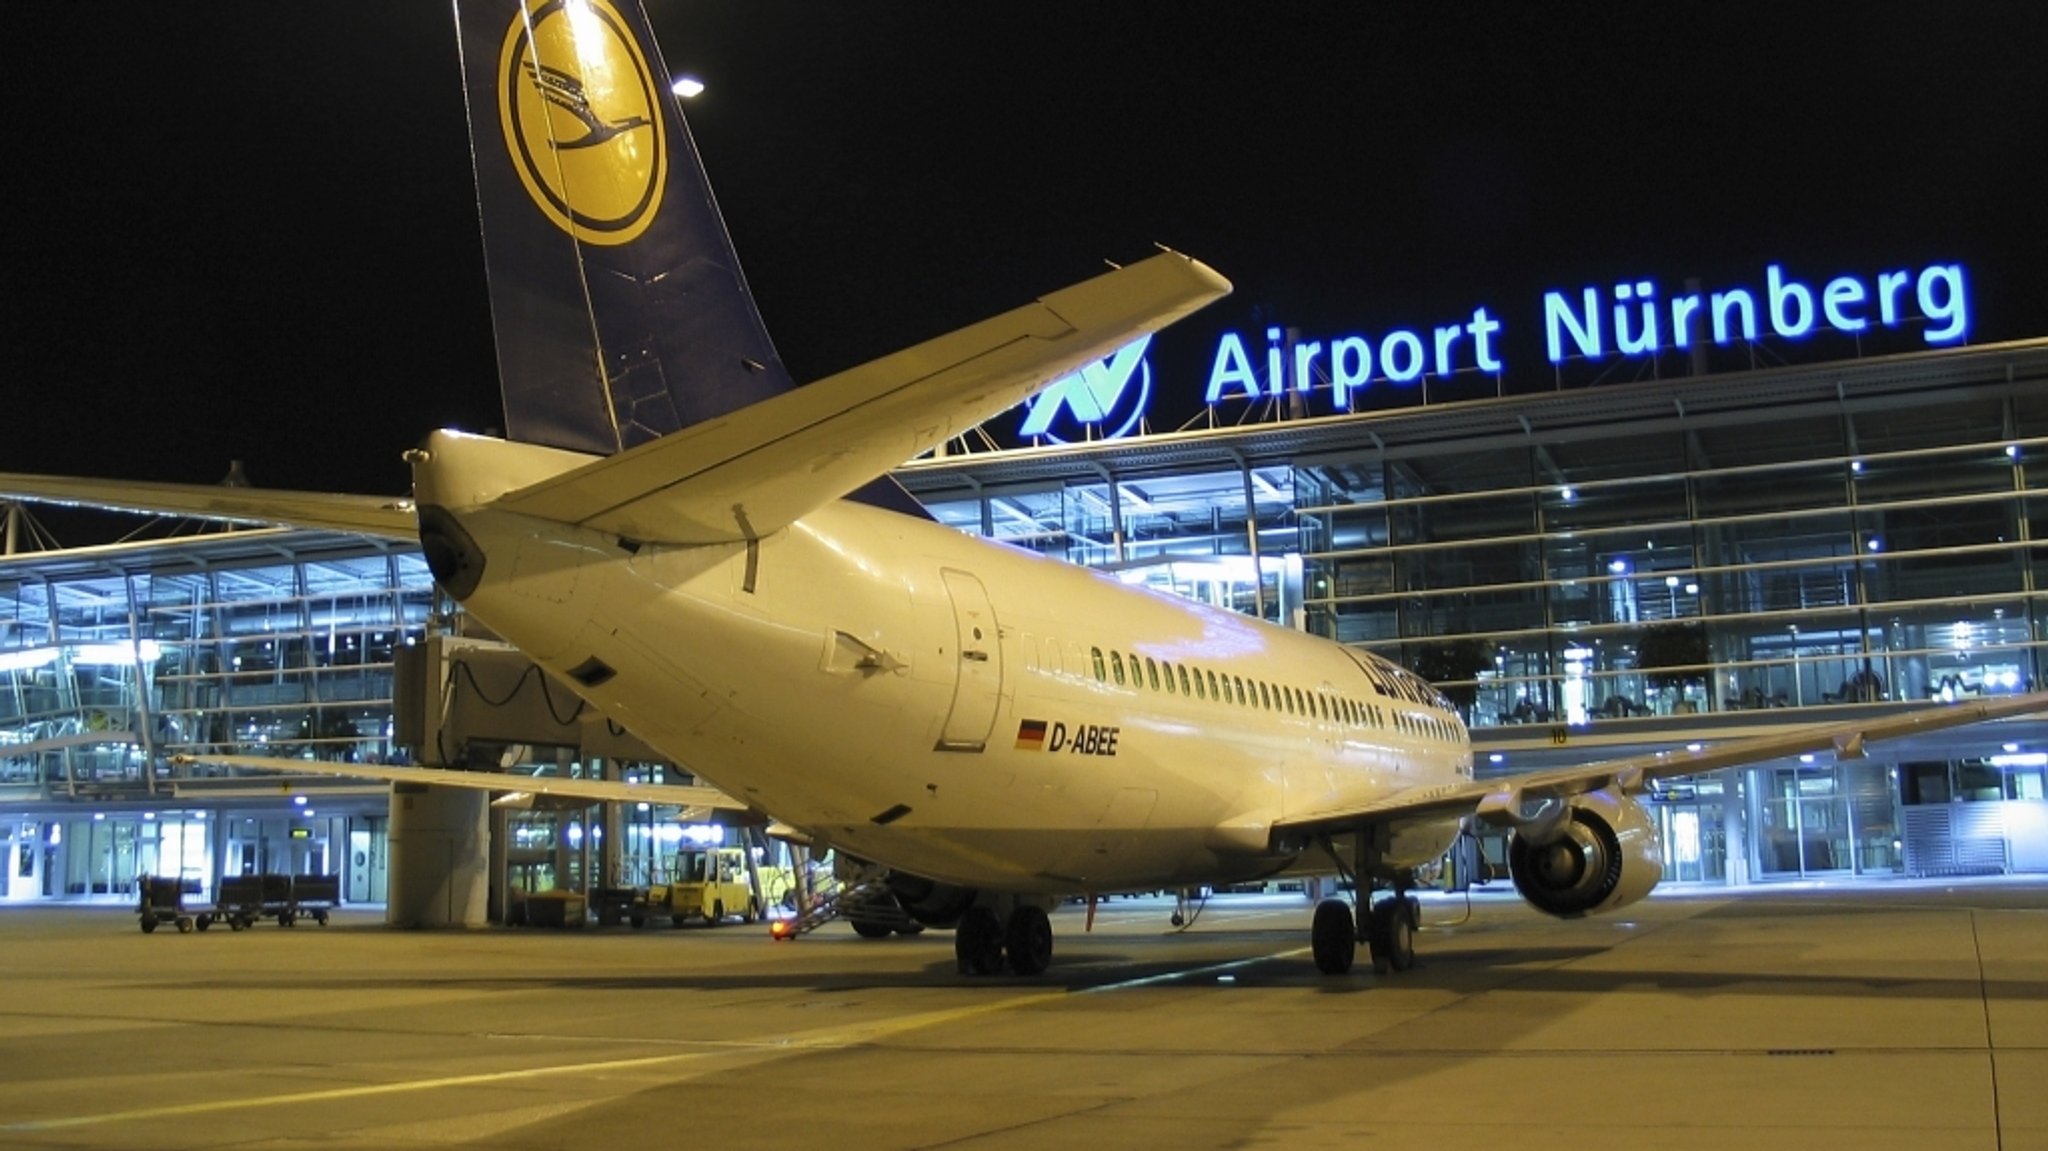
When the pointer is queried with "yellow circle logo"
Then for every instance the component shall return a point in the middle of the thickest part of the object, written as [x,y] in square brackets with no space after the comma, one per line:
[582,119]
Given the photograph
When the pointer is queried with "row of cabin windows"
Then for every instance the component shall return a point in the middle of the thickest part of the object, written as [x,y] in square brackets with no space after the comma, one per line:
[1199,683]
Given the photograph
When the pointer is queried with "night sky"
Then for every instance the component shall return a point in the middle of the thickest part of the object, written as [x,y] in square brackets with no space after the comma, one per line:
[246,230]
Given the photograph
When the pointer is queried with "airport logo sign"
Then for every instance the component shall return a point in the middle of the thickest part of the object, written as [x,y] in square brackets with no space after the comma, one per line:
[1593,323]
[1632,318]
[1098,396]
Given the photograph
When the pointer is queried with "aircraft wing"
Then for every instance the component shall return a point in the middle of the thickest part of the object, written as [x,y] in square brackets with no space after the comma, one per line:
[1504,800]
[595,790]
[389,517]
[746,474]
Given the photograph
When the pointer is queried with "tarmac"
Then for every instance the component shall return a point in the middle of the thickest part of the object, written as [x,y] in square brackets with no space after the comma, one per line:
[1881,1016]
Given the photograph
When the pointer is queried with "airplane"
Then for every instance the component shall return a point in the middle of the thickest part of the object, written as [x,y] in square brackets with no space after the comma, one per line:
[717,559]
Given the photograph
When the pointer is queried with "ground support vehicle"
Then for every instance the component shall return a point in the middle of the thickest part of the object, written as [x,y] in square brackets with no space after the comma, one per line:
[708,884]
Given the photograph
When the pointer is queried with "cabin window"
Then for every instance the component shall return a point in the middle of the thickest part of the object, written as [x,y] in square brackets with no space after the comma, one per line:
[1200,692]
[1182,672]
[1168,669]
[1152,672]
[1116,663]
[1212,685]
[1095,654]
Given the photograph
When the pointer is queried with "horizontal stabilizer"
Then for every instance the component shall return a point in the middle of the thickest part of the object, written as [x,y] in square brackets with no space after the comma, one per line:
[748,473]
[593,790]
[388,517]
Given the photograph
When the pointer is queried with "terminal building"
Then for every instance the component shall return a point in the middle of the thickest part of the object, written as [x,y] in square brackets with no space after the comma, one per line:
[1588,571]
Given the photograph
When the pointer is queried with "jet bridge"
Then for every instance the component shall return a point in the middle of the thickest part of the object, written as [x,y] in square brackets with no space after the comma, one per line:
[477,703]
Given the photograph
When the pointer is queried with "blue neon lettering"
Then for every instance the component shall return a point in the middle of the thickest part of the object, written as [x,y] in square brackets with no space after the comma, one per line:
[1682,308]
[1482,328]
[1645,340]
[1952,310]
[1779,291]
[1841,292]
[1304,359]
[1734,300]
[1409,368]
[1445,337]
[1585,334]
[1350,368]
[1231,368]
[1575,324]
[1888,286]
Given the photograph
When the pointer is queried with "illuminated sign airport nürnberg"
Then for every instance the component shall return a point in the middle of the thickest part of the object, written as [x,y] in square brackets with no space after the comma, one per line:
[1632,318]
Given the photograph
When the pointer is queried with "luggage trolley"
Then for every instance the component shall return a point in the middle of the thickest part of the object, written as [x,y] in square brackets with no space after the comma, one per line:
[163,902]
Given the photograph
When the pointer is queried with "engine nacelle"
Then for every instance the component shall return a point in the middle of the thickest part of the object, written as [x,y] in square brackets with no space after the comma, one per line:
[929,902]
[1606,856]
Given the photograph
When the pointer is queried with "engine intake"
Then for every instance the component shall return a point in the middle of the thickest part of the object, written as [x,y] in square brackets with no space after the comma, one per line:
[1605,857]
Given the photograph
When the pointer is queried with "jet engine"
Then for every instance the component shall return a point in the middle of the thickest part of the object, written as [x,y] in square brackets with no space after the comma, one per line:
[1603,857]
[931,903]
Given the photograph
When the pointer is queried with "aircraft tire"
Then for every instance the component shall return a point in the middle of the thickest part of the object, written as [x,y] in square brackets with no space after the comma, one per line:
[1028,940]
[1393,936]
[1333,937]
[148,925]
[978,942]
[869,929]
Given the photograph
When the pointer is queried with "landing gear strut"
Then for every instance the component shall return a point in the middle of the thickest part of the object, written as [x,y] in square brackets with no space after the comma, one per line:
[1387,927]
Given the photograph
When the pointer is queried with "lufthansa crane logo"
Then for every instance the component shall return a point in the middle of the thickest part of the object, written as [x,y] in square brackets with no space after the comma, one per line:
[582,119]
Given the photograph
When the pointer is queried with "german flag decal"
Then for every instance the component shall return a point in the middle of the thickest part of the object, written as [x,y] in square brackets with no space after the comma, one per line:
[1031,735]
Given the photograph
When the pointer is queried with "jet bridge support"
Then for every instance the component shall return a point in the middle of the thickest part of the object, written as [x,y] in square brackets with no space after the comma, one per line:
[464,702]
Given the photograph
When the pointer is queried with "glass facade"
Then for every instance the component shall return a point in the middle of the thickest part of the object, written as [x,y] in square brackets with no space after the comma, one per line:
[1822,576]
[115,661]
[104,677]
[1224,536]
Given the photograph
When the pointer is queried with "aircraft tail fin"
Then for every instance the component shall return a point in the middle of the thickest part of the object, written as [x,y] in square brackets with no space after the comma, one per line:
[620,311]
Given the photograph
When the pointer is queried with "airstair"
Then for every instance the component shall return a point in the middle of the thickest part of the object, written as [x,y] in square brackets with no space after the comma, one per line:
[864,900]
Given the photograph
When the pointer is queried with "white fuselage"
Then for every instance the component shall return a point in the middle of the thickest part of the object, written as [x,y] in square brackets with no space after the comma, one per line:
[954,708]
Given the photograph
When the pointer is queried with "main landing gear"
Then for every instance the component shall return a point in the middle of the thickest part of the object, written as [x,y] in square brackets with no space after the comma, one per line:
[1387,927]
[984,941]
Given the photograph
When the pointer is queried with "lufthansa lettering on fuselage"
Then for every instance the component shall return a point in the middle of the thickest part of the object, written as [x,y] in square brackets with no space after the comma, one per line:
[1083,739]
